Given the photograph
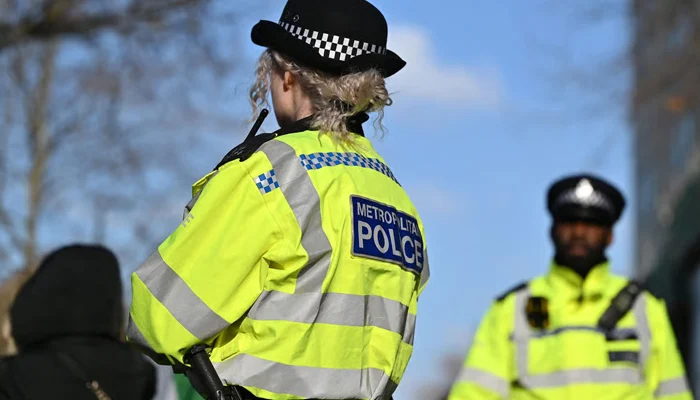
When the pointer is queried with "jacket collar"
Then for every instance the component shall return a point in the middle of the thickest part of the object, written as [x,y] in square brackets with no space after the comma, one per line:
[354,125]
[568,283]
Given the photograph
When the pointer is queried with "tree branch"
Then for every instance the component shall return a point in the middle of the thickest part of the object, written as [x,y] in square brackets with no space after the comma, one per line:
[47,26]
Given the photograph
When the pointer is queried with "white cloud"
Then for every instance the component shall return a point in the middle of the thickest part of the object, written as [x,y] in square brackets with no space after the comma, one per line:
[432,199]
[427,78]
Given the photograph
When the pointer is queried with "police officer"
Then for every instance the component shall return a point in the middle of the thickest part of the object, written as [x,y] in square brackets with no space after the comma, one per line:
[578,332]
[300,259]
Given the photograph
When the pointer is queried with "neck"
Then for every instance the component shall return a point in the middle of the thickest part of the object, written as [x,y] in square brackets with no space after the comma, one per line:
[303,106]
[581,265]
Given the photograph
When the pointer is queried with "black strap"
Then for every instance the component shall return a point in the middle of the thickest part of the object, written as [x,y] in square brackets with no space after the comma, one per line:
[79,373]
[620,305]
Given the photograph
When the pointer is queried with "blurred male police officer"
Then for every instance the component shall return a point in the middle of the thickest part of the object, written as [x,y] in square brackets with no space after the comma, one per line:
[578,332]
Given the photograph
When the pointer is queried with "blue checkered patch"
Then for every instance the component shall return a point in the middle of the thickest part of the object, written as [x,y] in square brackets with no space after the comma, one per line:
[267,182]
[320,160]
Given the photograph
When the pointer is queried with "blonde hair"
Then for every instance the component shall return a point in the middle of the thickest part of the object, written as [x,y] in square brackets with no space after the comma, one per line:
[334,98]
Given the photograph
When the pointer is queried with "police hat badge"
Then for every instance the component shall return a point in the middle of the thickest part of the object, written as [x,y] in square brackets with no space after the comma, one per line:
[537,312]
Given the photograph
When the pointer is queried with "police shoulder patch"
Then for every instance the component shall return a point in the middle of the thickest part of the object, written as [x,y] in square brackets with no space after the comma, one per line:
[519,286]
[383,233]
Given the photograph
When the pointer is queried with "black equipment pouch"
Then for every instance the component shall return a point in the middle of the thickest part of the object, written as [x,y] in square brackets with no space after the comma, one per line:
[620,305]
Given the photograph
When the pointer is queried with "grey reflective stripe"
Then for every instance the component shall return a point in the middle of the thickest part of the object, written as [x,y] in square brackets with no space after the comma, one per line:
[134,335]
[425,274]
[305,382]
[485,379]
[184,305]
[672,387]
[191,204]
[333,308]
[581,376]
[521,331]
[643,331]
[410,329]
[302,197]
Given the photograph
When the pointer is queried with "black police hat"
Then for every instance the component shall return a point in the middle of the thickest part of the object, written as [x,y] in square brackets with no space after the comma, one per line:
[334,36]
[585,197]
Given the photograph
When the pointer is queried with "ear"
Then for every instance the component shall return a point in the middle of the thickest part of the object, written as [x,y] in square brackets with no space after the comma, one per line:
[288,81]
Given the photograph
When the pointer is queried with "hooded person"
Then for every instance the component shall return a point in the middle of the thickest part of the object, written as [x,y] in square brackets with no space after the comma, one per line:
[67,324]
[301,258]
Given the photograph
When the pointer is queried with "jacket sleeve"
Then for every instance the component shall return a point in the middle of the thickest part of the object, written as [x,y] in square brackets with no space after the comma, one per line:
[207,273]
[487,370]
[665,367]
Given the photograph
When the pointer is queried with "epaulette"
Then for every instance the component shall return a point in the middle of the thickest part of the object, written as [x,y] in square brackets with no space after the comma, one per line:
[246,149]
[514,289]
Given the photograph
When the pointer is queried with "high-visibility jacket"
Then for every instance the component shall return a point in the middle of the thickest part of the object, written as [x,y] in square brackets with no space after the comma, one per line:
[569,357]
[300,264]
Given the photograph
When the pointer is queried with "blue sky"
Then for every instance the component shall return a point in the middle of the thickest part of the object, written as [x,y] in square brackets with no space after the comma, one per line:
[483,121]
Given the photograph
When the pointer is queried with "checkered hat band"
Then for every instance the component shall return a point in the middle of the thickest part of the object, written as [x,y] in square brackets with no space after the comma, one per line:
[594,200]
[332,46]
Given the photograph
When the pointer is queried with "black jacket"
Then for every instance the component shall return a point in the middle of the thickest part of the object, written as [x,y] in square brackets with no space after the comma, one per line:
[66,322]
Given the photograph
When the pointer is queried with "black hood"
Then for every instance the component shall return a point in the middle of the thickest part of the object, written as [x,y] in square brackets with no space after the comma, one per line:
[76,291]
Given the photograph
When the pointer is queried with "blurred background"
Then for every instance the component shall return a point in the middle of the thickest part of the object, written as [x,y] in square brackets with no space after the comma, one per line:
[111,109]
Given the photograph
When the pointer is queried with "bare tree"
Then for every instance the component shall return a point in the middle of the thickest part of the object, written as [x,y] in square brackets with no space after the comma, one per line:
[106,108]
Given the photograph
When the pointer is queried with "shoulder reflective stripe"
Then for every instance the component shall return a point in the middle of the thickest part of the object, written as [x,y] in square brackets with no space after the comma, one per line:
[672,387]
[521,331]
[305,382]
[486,380]
[191,204]
[333,308]
[188,309]
[643,331]
[581,376]
[302,197]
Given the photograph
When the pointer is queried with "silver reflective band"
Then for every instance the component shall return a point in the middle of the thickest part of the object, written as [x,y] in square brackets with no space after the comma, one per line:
[643,331]
[425,274]
[574,376]
[671,387]
[184,305]
[334,308]
[305,382]
[302,197]
[486,380]
[521,331]
[133,334]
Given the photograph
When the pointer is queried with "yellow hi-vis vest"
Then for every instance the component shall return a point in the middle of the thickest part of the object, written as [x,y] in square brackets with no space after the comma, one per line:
[570,358]
[300,266]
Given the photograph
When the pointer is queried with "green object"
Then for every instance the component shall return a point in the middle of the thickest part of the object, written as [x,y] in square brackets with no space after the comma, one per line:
[185,390]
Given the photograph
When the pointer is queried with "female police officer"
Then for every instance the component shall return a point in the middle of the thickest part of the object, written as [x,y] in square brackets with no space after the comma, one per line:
[301,258]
